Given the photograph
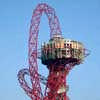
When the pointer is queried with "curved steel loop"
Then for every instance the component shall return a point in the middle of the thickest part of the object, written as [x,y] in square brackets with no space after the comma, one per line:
[23,83]
[33,39]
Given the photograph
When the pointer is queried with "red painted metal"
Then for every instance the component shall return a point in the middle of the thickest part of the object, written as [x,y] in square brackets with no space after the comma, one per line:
[56,77]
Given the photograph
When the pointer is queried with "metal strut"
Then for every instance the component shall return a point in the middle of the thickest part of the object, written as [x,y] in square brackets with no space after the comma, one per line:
[35,91]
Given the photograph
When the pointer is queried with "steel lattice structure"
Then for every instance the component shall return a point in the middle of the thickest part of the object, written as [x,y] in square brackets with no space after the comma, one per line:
[33,36]
[57,70]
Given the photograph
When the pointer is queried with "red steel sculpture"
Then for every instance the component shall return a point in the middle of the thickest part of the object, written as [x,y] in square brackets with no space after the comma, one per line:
[59,55]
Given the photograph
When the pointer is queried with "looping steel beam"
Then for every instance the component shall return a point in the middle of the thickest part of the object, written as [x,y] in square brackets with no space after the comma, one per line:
[35,91]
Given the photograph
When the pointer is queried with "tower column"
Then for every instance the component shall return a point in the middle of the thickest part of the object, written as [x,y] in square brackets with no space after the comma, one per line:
[56,85]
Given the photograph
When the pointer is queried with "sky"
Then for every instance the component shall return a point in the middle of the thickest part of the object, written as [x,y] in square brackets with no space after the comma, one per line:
[79,20]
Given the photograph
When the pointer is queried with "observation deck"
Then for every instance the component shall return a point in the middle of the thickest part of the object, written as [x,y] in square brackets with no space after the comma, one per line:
[62,51]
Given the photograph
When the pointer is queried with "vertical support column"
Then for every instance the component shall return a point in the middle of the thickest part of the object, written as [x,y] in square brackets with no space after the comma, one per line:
[56,85]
